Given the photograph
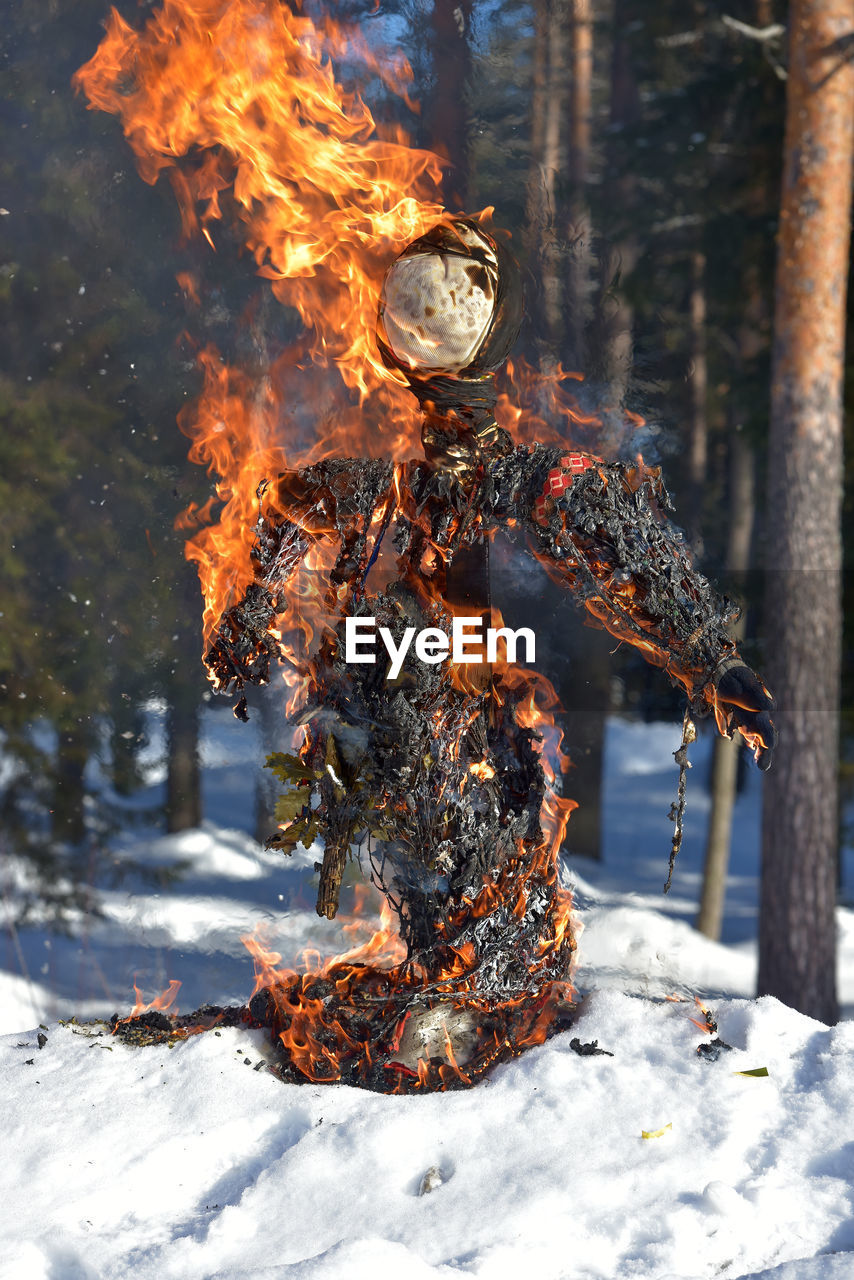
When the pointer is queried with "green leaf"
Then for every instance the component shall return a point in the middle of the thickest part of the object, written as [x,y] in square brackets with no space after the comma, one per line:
[303,831]
[290,768]
[290,806]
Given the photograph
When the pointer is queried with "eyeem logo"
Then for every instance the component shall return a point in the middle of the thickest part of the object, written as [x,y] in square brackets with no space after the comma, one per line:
[432,645]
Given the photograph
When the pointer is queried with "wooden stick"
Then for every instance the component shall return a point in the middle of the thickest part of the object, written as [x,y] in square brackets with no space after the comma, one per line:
[331,873]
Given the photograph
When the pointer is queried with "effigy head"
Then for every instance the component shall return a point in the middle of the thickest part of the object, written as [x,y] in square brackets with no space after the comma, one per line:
[451,303]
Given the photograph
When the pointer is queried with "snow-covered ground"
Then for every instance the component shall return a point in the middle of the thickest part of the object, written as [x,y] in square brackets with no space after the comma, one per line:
[188,1162]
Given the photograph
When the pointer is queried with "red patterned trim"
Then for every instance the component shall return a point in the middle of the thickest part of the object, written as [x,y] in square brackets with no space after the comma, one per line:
[559,480]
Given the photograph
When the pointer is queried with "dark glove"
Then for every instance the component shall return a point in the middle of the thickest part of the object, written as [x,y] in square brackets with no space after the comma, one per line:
[747,705]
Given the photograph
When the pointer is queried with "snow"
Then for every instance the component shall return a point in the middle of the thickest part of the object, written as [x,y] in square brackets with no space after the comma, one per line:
[191,1163]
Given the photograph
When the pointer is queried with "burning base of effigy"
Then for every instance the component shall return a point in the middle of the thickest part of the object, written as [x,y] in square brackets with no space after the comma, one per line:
[378,1018]
[379,1029]
[363,1027]
[372,1028]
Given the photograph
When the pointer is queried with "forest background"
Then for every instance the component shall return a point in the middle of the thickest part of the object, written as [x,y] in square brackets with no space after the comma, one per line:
[634,150]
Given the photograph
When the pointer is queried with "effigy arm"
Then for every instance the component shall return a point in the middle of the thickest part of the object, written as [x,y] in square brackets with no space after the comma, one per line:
[340,501]
[602,529]
[244,645]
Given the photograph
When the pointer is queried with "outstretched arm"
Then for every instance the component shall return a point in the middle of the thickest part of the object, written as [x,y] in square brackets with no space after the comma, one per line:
[602,529]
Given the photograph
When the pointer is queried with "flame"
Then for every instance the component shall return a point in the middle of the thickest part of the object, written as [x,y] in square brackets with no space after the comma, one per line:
[545,406]
[726,723]
[180,1027]
[341,1020]
[298,1004]
[708,1025]
[242,105]
[160,1004]
[344,1017]
[311,1012]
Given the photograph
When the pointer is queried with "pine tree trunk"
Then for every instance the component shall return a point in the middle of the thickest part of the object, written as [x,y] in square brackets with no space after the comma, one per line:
[579,267]
[183,781]
[797,956]
[126,734]
[698,443]
[535,193]
[587,712]
[554,164]
[581,91]
[540,188]
[447,112]
[586,697]
[68,820]
[612,346]
[726,751]
[554,120]
[270,714]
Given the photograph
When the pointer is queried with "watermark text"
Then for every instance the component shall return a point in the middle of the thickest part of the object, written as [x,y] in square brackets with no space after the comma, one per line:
[432,645]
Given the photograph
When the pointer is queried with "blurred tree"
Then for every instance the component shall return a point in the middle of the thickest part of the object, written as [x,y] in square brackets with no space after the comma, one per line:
[91,468]
[577,310]
[726,752]
[797,954]
[446,109]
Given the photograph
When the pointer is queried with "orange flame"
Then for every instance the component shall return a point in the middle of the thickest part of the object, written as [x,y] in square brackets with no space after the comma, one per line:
[708,1024]
[329,1019]
[159,1004]
[544,405]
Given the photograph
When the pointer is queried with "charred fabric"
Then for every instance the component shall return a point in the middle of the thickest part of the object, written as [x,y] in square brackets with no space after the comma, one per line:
[442,776]
[437,774]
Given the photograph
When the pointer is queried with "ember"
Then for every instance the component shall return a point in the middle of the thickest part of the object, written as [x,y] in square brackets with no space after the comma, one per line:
[435,771]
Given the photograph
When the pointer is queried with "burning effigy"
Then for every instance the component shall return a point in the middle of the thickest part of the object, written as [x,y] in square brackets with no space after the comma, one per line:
[416,736]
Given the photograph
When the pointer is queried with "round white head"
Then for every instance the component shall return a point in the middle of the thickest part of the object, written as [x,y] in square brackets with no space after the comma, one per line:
[439,300]
[437,310]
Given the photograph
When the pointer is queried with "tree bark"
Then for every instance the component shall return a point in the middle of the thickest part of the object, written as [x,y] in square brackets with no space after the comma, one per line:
[578,275]
[580,91]
[183,781]
[270,716]
[535,190]
[127,732]
[447,113]
[554,165]
[586,697]
[548,148]
[612,346]
[698,443]
[68,818]
[800,826]
[726,751]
